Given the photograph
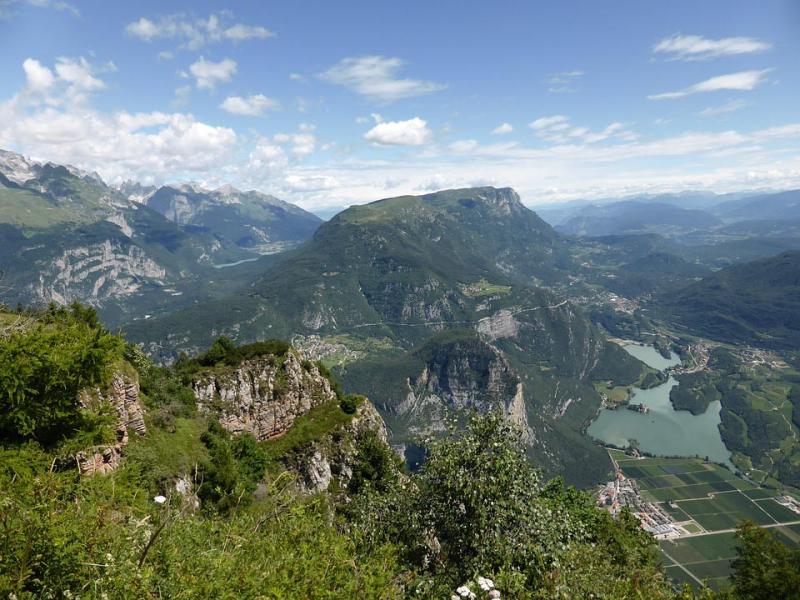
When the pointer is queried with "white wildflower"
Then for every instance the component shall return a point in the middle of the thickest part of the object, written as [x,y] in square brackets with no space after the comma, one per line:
[485,584]
[160,499]
[465,592]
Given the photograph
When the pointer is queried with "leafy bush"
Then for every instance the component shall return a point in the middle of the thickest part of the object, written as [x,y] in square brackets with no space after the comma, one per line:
[377,466]
[477,507]
[765,568]
[43,367]
[235,466]
[349,403]
[225,352]
[64,536]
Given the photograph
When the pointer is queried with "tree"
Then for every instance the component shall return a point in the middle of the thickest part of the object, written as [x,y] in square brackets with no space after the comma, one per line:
[45,365]
[765,567]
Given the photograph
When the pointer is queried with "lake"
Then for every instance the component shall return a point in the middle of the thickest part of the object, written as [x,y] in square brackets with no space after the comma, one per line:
[233,264]
[662,431]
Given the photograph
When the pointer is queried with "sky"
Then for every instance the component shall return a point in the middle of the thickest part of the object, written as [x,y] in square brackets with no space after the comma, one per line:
[329,104]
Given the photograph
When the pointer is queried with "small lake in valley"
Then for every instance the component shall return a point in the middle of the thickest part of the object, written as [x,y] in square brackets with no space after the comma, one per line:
[663,430]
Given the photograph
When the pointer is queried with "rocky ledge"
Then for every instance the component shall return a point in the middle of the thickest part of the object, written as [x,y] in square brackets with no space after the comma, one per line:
[263,395]
[123,395]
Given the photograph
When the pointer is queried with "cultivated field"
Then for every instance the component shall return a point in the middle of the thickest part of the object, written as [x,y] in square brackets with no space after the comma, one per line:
[710,502]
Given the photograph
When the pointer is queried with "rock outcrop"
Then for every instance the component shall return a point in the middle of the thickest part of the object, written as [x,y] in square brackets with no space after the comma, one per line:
[468,374]
[333,456]
[262,396]
[265,395]
[123,396]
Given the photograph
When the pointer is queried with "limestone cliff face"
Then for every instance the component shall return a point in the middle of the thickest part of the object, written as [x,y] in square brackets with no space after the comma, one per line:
[332,457]
[97,272]
[262,396]
[123,396]
[464,375]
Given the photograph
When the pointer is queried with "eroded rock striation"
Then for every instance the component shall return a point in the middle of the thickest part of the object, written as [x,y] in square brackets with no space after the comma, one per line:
[123,396]
[333,456]
[262,396]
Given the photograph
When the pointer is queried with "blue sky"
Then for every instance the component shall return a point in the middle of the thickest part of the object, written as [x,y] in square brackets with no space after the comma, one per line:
[327,104]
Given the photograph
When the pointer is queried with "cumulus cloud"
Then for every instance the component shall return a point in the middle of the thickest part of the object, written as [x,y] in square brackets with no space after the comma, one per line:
[696,47]
[302,143]
[375,77]
[80,74]
[195,33]
[558,129]
[208,74]
[503,129]
[252,106]
[565,81]
[39,77]
[413,132]
[76,78]
[742,81]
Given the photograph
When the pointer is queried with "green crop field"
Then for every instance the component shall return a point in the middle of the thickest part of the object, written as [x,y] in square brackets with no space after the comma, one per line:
[710,502]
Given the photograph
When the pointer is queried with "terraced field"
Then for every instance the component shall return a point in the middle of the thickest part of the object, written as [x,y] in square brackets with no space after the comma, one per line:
[709,502]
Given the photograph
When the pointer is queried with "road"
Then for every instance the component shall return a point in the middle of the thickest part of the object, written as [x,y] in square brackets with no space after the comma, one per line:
[476,322]
[683,537]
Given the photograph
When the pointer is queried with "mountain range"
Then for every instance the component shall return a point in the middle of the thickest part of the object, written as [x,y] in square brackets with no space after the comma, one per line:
[129,250]
[432,305]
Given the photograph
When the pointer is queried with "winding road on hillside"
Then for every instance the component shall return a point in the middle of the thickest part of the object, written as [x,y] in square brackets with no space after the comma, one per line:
[475,322]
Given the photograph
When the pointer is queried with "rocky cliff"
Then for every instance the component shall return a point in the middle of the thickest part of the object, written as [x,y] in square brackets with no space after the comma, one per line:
[332,457]
[123,396]
[466,374]
[262,396]
[266,395]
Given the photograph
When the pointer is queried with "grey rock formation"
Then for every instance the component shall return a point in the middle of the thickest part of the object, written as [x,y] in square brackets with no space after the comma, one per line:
[262,396]
[123,395]
[334,456]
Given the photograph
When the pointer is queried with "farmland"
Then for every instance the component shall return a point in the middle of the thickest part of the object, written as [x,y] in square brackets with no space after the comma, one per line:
[708,502]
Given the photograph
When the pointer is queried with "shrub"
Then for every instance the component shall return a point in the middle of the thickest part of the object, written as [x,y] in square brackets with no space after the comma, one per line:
[43,367]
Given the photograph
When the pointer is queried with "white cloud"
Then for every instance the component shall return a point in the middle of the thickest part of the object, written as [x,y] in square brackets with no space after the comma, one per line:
[303,143]
[413,132]
[313,183]
[241,33]
[76,79]
[696,47]
[463,146]
[297,77]
[375,78]
[79,74]
[39,77]
[195,33]
[722,109]
[563,82]
[503,129]
[267,159]
[208,74]
[553,123]
[558,129]
[6,7]
[252,106]
[742,81]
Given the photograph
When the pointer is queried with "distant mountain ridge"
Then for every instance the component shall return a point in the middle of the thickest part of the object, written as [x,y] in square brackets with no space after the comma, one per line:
[251,220]
[636,217]
[754,303]
[65,235]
